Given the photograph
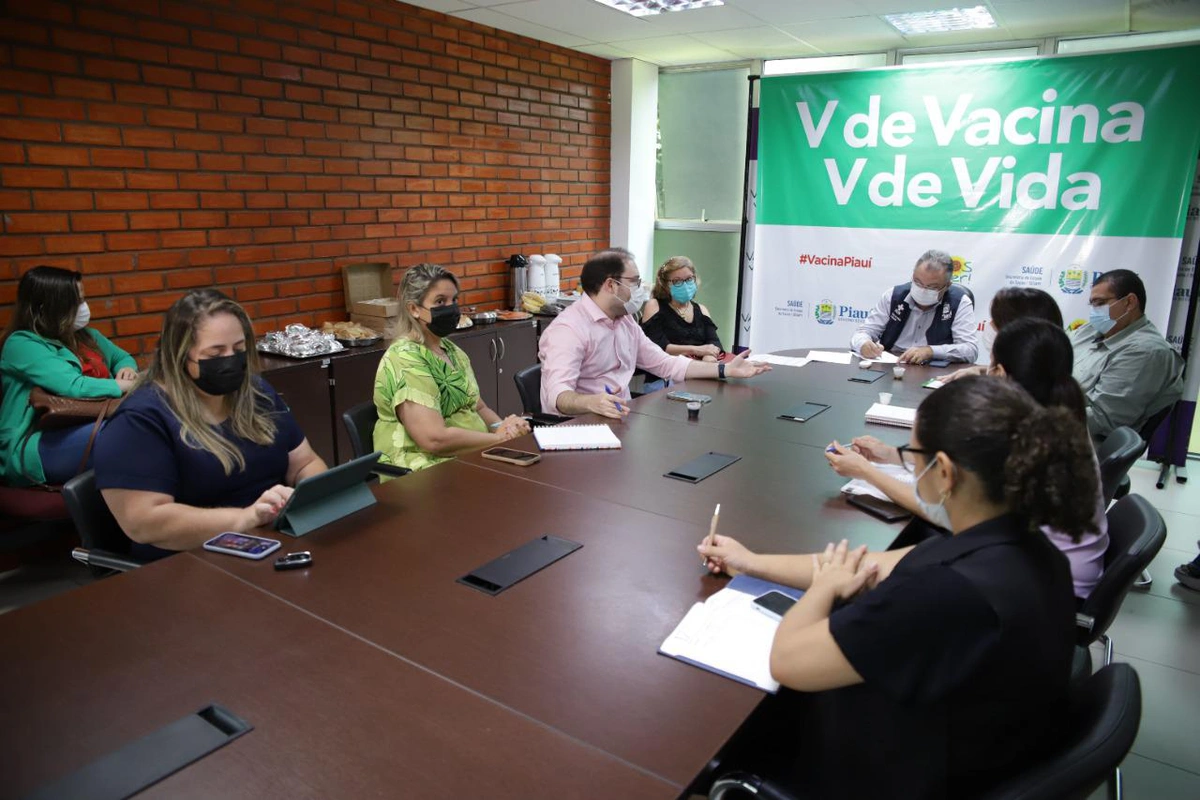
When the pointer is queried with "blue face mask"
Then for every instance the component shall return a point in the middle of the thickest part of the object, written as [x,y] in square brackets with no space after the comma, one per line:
[684,292]
[1101,319]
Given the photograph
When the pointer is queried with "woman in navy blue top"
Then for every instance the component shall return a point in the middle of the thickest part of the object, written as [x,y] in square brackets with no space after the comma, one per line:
[203,445]
[936,670]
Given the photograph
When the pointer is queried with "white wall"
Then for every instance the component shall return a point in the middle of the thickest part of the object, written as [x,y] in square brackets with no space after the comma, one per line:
[634,140]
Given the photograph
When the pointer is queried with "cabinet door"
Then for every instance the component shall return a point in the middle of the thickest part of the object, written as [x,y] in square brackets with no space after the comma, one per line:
[481,348]
[304,388]
[518,350]
[353,383]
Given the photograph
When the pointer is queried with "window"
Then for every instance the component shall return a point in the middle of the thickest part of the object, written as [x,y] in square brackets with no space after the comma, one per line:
[1127,41]
[795,66]
[1001,54]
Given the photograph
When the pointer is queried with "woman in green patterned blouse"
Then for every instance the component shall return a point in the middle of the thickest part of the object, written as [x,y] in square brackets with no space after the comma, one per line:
[425,391]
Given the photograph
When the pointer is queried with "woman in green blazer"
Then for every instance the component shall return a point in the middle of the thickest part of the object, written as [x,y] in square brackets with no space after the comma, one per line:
[48,344]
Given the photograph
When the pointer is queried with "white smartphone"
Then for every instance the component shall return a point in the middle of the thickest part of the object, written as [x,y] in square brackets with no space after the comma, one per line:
[242,545]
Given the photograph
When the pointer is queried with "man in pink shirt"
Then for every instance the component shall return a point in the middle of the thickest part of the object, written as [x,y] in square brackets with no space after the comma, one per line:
[590,351]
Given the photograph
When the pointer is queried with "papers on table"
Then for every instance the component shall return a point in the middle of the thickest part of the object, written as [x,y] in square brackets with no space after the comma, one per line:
[859,486]
[727,635]
[781,361]
[829,357]
[576,437]
[884,358]
[899,416]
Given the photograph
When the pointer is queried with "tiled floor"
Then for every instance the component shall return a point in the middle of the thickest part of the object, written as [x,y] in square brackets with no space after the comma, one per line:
[1158,631]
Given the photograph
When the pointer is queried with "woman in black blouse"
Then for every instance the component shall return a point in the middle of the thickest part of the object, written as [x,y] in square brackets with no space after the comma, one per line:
[673,320]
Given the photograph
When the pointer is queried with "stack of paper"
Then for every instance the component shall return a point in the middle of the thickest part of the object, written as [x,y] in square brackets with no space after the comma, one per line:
[892,415]
[884,358]
[828,357]
[859,486]
[576,437]
[727,635]
[782,361]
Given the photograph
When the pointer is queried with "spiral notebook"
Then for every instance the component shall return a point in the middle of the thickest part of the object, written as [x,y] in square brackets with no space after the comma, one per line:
[892,415]
[577,437]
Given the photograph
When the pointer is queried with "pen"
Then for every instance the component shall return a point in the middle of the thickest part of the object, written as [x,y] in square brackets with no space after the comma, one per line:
[610,391]
[712,531]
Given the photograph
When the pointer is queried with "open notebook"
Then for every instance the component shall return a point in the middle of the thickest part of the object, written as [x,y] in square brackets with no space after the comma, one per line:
[726,634]
[577,437]
[899,416]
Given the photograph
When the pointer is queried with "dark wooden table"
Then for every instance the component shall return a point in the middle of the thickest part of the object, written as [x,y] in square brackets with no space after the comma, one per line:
[334,714]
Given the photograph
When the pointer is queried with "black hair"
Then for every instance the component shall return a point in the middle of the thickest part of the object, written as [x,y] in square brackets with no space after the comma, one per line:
[1038,355]
[48,299]
[1123,282]
[1036,460]
[1014,302]
[599,268]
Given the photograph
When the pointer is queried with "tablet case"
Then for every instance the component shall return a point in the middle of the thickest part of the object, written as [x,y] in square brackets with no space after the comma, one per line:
[146,761]
[517,565]
[321,499]
[700,468]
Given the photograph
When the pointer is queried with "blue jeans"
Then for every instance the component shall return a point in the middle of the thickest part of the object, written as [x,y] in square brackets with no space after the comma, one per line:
[61,451]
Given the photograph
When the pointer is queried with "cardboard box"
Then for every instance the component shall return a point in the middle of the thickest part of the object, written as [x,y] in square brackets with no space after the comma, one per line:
[385,326]
[370,281]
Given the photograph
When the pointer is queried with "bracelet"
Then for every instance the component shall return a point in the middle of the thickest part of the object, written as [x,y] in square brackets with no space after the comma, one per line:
[495,425]
[721,371]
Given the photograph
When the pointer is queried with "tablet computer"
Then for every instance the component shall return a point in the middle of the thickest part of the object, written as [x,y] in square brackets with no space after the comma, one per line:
[329,496]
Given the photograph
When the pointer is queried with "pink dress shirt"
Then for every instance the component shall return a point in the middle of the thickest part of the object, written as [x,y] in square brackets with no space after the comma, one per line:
[584,351]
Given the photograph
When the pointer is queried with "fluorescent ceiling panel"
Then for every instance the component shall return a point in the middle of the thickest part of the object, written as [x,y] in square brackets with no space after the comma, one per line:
[650,8]
[942,20]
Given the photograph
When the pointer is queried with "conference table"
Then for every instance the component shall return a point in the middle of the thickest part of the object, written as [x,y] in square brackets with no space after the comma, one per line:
[374,668]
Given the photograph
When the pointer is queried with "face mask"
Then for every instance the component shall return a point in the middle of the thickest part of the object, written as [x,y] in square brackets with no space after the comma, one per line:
[443,320]
[221,375]
[924,297]
[637,298]
[83,316]
[1101,319]
[988,340]
[934,512]
[683,293]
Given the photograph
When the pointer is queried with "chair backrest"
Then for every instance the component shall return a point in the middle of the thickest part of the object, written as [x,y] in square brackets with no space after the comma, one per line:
[1103,721]
[360,427]
[1136,532]
[1116,454]
[95,524]
[529,386]
[1147,431]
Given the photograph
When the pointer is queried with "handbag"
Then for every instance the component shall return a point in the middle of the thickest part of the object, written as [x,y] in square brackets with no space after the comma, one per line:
[52,411]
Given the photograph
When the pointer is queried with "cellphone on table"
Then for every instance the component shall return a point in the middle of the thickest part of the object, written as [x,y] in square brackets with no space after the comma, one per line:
[803,412]
[938,362]
[510,456]
[867,376]
[689,397]
[774,604]
[242,545]
[298,560]
[883,509]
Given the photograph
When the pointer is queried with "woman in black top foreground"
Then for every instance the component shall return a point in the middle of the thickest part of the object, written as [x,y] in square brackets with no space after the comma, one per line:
[935,671]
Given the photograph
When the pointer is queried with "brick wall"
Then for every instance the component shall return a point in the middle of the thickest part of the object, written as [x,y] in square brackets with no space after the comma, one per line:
[257,146]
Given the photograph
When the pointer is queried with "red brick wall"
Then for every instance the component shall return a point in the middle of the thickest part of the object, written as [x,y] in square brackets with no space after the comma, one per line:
[258,145]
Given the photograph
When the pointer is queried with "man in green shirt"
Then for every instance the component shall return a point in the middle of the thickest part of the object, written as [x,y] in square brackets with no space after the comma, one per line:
[1126,368]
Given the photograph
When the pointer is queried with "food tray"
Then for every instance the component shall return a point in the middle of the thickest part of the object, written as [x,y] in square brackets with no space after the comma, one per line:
[360,342]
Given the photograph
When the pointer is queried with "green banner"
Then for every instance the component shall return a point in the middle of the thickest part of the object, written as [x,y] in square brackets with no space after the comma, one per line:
[1096,144]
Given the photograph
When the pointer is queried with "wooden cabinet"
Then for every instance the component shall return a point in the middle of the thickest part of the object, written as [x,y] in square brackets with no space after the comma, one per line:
[304,387]
[498,352]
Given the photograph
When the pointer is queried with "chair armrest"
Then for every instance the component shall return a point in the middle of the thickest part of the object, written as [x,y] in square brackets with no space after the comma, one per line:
[1085,622]
[105,560]
[735,785]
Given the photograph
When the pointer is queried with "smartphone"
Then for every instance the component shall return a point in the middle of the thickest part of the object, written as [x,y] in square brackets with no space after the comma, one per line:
[938,362]
[803,412]
[884,509]
[242,544]
[867,376]
[510,456]
[774,604]
[689,397]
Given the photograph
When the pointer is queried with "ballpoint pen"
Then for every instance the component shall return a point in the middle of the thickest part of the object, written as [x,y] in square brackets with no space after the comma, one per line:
[611,392]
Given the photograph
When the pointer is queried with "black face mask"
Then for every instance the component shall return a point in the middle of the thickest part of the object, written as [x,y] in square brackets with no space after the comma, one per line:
[443,320]
[221,375]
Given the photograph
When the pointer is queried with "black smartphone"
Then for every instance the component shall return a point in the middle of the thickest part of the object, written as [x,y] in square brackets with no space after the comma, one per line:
[867,376]
[884,509]
[803,412]
[939,362]
[774,604]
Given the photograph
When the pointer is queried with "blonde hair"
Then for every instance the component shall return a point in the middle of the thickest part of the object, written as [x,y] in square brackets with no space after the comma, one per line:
[662,288]
[413,287]
[168,371]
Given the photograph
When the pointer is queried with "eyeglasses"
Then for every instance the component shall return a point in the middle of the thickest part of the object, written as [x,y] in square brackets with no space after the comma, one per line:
[682,281]
[906,456]
[1100,302]
[637,281]
[931,288]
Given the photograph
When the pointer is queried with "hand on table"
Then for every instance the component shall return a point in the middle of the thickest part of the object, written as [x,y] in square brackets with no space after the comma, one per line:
[704,351]
[739,367]
[726,555]
[871,350]
[266,508]
[846,462]
[607,405]
[917,355]
[511,427]
[874,450]
[843,573]
[964,372]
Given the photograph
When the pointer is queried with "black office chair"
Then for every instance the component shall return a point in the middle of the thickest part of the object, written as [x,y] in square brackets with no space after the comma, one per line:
[1147,433]
[1101,725]
[1136,532]
[1117,455]
[529,387]
[360,427]
[103,545]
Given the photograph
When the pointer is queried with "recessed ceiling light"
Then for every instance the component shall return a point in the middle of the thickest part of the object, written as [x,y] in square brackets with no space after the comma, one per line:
[949,19]
[648,8]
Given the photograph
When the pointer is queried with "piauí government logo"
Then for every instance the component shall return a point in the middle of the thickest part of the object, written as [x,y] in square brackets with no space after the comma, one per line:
[825,312]
[1070,280]
[962,269]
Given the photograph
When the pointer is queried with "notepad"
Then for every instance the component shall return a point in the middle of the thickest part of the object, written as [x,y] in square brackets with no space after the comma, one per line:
[899,416]
[829,357]
[577,437]
[859,486]
[883,358]
[728,636]
[781,361]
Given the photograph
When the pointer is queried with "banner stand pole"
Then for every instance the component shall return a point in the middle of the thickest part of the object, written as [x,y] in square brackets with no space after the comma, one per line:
[1170,460]
[741,264]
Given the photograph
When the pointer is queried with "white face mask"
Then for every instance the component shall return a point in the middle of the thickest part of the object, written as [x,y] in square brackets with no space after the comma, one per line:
[924,297]
[934,512]
[638,296]
[83,316]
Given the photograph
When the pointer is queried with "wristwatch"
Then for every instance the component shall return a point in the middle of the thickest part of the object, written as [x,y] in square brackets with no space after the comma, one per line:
[721,371]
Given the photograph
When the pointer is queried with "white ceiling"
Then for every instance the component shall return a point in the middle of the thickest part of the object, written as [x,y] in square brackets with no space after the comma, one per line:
[744,29]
